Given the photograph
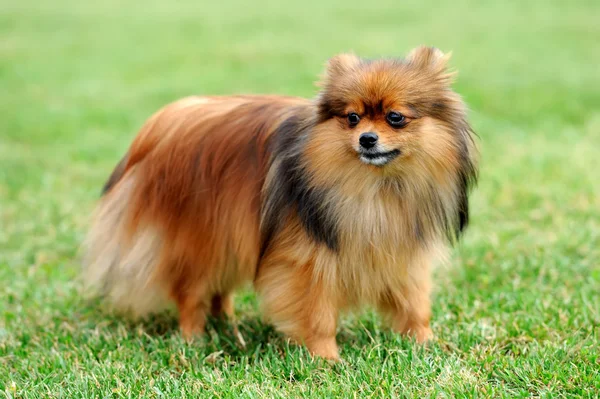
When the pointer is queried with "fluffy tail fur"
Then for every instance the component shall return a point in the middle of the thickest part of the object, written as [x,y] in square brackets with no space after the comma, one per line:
[118,265]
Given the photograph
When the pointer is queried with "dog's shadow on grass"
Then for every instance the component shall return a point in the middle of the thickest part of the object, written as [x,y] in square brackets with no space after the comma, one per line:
[243,337]
[246,338]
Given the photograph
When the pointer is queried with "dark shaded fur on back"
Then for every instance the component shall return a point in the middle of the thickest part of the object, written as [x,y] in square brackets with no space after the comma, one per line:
[116,175]
[290,190]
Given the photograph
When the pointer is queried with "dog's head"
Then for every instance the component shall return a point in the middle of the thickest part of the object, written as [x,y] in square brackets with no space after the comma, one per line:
[393,116]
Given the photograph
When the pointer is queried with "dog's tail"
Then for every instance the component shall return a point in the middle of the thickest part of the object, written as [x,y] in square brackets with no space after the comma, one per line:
[120,263]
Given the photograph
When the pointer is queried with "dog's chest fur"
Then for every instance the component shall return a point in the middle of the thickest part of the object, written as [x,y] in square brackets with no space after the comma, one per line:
[380,247]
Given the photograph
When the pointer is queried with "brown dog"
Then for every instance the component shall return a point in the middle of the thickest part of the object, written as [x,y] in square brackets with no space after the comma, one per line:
[326,205]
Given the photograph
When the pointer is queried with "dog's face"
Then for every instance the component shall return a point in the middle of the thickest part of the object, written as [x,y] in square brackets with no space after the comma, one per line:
[390,114]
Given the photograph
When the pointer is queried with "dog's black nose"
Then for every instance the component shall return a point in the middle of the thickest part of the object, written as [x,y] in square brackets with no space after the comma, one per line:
[368,140]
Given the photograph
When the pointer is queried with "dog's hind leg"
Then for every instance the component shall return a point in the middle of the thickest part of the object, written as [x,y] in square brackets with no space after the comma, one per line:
[192,305]
[222,305]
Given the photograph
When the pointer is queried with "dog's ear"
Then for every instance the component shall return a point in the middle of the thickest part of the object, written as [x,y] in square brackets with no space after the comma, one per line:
[428,57]
[338,66]
[431,59]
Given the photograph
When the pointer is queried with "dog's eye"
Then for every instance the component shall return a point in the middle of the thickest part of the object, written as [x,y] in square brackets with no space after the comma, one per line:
[396,119]
[353,119]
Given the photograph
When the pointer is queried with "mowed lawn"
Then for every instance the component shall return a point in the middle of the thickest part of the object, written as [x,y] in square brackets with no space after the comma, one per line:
[516,314]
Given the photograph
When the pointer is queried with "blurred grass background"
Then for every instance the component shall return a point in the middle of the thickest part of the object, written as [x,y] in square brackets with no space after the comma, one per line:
[517,315]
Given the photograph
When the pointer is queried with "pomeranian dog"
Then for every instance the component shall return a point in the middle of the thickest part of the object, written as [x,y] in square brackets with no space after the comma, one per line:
[325,205]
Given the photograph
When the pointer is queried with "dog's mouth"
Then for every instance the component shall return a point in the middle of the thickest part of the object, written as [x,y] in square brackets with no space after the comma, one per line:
[378,158]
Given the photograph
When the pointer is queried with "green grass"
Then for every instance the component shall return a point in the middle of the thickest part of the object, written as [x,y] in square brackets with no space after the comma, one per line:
[518,312]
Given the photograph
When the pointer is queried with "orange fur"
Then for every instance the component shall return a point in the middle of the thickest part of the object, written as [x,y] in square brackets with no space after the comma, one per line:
[218,191]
